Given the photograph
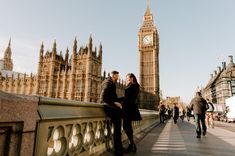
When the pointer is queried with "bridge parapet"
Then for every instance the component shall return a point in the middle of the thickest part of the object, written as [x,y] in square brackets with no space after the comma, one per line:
[60,127]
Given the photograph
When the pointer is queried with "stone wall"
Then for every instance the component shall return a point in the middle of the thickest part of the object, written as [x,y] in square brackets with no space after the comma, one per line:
[40,126]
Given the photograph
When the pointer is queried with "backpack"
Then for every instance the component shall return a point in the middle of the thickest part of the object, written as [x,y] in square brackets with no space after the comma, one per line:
[211,107]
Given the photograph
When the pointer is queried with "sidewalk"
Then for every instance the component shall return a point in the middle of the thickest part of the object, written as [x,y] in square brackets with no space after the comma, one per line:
[180,140]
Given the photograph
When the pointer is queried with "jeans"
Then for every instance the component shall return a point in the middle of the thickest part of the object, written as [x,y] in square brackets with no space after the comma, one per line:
[162,116]
[200,119]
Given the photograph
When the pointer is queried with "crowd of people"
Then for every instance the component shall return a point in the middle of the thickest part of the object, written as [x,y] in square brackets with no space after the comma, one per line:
[201,110]
[166,112]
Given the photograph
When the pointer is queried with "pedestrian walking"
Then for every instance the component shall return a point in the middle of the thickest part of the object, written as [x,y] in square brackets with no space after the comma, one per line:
[210,114]
[188,113]
[113,109]
[182,114]
[175,113]
[169,112]
[199,107]
[130,110]
[162,110]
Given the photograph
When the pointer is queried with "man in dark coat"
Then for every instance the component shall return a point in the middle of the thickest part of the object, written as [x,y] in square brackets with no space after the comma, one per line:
[175,113]
[113,109]
[199,107]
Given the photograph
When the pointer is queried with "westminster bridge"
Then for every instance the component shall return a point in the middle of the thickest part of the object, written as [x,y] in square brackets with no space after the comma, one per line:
[40,126]
[32,125]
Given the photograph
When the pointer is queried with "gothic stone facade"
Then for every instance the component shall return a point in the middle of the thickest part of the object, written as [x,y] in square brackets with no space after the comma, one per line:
[222,83]
[149,62]
[79,77]
[76,78]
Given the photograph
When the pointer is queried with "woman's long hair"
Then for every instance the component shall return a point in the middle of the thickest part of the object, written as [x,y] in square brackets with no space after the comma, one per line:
[131,75]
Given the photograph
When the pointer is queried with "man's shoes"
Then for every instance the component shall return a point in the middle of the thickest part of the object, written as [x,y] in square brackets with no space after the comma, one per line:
[130,148]
[204,133]
[198,136]
[118,153]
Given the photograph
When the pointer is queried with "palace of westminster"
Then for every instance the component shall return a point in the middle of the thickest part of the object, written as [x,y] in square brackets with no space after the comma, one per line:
[79,76]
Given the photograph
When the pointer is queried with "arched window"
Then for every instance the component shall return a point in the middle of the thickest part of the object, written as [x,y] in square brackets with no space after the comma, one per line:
[79,86]
[80,66]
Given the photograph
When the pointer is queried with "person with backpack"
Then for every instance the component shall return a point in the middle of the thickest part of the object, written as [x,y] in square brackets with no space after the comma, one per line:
[210,114]
[199,107]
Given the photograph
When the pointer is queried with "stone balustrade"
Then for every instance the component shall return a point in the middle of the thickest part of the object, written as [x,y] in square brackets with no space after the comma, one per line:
[40,126]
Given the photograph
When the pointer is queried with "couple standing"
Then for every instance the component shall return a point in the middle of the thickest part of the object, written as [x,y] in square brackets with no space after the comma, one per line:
[121,108]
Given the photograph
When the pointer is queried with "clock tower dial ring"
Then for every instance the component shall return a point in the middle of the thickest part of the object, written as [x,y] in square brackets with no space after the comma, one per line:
[147,39]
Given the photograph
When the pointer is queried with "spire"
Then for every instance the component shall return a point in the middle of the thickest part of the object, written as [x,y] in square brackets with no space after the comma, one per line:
[148,12]
[148,18]
[66,59]
[42,46]
[7,61]
[90,44]
[148,15]
[41,52]
[75,46]
[90,39]
[9,43]
[67,55]
[7,54]
[100,51]
[41,49]
[54,45]
[54,48]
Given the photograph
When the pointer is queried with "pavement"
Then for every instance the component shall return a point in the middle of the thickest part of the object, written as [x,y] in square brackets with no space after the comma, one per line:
[179,139]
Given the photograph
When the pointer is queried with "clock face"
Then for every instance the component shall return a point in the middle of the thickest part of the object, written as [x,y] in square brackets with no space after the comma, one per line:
[147,39]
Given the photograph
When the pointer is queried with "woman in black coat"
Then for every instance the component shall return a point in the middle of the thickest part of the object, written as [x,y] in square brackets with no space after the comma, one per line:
[130,109]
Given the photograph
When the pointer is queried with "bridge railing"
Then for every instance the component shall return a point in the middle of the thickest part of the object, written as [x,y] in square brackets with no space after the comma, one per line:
[43,126]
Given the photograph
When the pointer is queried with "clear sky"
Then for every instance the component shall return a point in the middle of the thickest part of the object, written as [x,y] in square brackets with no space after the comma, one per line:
[195,35]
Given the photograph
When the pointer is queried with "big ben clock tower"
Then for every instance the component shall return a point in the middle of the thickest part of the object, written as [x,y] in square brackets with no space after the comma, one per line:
[149,62]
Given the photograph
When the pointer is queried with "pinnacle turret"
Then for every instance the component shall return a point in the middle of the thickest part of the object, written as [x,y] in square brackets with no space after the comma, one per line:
[54,49]
[100,51]
[90,44]
[75,46]
[42,49]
